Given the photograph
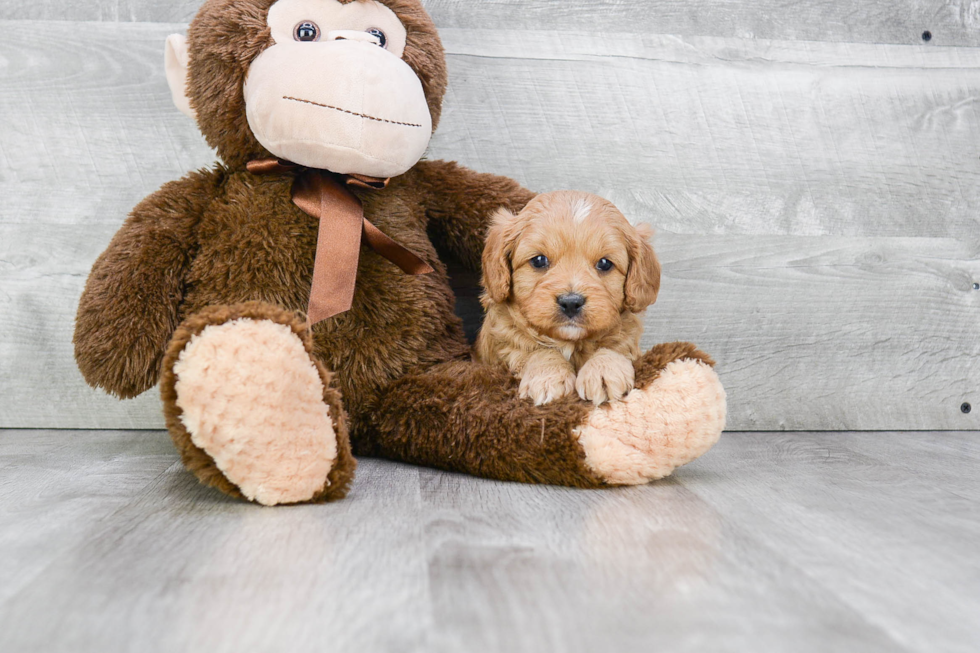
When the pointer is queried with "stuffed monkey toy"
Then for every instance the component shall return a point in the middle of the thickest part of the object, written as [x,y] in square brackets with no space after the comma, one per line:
[291,300]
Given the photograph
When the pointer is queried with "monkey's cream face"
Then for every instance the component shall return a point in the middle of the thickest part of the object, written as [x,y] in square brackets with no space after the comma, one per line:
[333,91]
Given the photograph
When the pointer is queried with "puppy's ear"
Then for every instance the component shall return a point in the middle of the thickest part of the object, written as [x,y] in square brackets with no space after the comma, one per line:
[496,256]
[643,276]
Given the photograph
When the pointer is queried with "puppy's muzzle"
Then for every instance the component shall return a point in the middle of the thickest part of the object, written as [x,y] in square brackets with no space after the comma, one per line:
[571,304]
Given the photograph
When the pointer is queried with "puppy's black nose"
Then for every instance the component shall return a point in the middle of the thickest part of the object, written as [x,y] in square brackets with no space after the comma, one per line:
[571,303]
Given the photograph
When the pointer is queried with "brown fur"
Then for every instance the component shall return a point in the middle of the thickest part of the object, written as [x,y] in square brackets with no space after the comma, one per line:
[222,243]
[526,333]
[469,418]
[131,304]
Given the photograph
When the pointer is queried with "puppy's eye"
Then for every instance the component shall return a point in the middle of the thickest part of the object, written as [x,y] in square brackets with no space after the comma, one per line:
[604,265]
[306,31]
[540,261]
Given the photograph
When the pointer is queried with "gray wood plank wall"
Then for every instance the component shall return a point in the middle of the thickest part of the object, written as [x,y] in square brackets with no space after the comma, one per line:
[949,22]
[812,170]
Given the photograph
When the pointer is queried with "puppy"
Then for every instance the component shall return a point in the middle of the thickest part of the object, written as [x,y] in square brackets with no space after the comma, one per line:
[566,282]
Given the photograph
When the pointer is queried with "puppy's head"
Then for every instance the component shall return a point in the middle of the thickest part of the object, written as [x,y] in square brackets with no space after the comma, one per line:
[570,263]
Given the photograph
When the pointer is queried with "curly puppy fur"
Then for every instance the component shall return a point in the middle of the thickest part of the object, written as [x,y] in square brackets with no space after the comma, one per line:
[566,283]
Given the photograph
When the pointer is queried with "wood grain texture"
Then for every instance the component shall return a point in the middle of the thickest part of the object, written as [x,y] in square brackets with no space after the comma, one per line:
[868,333]
[57,486]
[888,520]
[181,567]
[878,21]
[828,332]
[705,135]
[42,274]
[727,136]
[770,542]
[88,126]
[817,203]
[637,569]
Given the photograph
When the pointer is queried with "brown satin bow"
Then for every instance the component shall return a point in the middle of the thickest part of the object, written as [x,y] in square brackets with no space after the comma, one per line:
[342,226]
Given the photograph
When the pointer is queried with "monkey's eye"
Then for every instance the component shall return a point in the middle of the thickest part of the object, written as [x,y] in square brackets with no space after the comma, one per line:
[306,31]
[540,262]
[382,38]
[604,265]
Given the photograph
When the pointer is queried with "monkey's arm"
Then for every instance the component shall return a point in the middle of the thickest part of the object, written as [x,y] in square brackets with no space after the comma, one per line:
[460,203]
[129,308]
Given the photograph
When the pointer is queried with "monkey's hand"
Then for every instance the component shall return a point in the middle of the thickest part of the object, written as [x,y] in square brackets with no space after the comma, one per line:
[460,204]
[130,305]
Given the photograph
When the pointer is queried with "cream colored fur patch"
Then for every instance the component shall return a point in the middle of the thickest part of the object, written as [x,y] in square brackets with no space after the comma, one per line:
[653,431]
[253,400]
[581,209]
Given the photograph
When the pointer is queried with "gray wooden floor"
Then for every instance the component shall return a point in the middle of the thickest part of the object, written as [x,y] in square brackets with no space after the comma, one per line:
[771,542]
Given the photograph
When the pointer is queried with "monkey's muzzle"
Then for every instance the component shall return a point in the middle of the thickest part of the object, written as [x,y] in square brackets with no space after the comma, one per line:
[346,106]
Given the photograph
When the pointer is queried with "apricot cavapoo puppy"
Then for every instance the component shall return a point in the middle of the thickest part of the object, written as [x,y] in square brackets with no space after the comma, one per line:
[566,282]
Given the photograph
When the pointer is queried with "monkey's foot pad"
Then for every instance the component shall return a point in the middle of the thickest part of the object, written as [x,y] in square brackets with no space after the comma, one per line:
[252,399]
[655,429]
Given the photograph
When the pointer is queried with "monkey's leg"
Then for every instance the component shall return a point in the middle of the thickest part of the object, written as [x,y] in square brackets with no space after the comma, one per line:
[251,411]
[465,417]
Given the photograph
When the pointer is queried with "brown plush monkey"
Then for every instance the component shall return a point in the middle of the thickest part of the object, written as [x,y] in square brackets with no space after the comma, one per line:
[206,285]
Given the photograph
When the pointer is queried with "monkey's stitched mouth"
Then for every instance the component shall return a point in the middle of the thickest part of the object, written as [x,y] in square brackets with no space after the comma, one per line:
[353,113]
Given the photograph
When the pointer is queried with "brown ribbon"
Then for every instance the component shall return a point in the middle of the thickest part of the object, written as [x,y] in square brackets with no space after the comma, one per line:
[342,228]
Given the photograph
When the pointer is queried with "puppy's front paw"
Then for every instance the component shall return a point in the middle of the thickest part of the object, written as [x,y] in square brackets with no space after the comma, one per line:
[607,376]
[546,383]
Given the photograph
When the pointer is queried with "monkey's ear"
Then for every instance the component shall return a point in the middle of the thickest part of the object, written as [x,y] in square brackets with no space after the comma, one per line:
[175,63]
[496,256]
